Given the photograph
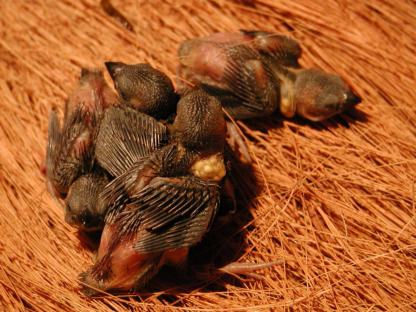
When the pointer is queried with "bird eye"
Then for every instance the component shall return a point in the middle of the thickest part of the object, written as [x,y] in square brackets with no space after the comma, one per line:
[123,95]
[337,107]
[85,220]
[345,96]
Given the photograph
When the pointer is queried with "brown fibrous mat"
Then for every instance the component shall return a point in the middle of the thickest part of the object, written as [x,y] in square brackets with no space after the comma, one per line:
[334,200]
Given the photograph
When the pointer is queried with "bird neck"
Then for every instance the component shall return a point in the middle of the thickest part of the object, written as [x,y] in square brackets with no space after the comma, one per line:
[210,167]
[287,77]
[176,159]
[173,160]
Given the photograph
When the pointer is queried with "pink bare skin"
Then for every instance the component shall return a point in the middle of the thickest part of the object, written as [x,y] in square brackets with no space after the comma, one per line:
[207,59]
[119,266]
[239,268]
[204,62]
[93,92]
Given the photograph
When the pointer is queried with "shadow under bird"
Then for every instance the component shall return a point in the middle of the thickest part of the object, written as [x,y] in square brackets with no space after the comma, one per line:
[254,73]
[70,165]
[165,202]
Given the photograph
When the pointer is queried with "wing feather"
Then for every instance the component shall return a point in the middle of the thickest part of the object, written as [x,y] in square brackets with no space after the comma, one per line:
[126,136]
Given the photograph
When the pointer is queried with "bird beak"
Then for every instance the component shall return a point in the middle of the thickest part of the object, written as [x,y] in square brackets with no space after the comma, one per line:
[352,99]
[113,68]
[85,72]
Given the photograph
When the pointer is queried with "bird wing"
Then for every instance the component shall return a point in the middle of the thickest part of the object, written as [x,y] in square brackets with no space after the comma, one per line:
[281,49]
[115,194]
[241,78]
[69,152]
[171,213]
[125,136]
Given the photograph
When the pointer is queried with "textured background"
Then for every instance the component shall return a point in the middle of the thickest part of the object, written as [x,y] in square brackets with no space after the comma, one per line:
[334,200]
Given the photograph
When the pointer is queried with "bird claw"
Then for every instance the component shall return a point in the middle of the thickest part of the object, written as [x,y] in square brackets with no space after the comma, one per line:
[246,268]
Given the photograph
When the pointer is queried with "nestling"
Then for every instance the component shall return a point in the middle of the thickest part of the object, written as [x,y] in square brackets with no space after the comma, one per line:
[70,150]
[144,88]
[165,202]
[81,204]
[256,72]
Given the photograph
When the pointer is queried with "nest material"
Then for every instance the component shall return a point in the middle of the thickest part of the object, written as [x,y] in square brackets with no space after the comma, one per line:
[334,200]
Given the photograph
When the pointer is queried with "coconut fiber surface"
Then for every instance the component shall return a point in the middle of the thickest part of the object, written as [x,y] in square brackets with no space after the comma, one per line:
[334,200]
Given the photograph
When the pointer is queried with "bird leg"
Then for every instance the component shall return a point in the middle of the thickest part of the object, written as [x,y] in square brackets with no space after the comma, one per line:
[237,140]
[246,268]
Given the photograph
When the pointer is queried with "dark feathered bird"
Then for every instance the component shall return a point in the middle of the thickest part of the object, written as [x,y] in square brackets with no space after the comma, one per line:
[255,72]
[70,150]
[81,203]
[165,202]
[144,88]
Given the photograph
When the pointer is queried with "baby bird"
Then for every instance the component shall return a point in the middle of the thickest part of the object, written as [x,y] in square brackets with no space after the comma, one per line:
[92,93]
[81,208]
[70,150]
[256,72]
[165,202]
[317,95]
[144,88]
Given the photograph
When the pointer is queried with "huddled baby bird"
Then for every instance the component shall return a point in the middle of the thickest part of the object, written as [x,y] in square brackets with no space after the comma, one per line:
[256,72]
[71,169]
[146,165]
